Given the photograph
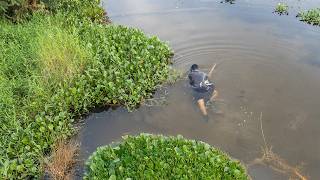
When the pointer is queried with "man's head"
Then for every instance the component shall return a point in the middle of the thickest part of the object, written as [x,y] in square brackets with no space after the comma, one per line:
[194,67]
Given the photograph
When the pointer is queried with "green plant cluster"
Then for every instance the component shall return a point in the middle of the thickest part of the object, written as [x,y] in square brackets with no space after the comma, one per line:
[149,156]
[311,16]
[52,73]
[17,10]
[78,10]
[282,9]
[20,10]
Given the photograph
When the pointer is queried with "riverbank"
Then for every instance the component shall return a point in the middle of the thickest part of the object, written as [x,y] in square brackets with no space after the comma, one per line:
[57,65]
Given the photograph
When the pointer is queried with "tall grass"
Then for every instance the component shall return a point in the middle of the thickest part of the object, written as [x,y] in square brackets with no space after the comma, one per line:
[28,79]
[61,55]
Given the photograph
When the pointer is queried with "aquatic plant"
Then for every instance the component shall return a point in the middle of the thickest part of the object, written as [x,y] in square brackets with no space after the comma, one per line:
[149,156]
[52,73]
[311,16]
[281,9]
[228,1]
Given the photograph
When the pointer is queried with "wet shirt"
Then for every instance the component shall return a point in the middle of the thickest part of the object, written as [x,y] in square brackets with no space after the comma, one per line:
[199,81]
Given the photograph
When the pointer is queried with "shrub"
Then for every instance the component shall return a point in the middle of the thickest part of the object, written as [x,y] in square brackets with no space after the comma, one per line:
[19,10]
[78,10]
[311,16]
[281,9]
[51,74]
[159,157]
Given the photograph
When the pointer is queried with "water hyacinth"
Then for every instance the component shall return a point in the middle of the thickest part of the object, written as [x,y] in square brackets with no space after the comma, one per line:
[149,156]
[281,9]
[311,16]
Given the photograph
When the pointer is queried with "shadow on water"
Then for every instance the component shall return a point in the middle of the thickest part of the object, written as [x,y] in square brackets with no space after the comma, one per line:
[263,66]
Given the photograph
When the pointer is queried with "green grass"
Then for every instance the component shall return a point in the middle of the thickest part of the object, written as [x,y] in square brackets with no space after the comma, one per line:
[159,157]
[311,16]
[52,72]
[281,9]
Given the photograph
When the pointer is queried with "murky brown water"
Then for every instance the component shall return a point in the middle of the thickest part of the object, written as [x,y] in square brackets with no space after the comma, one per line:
[266,63]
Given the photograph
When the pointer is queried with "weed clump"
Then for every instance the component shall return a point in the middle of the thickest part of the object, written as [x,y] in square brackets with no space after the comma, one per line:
[311,16]
[281,9]
[158,157]
[61,160]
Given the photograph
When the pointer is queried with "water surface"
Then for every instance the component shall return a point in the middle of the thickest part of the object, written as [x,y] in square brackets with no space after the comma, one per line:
[267,64]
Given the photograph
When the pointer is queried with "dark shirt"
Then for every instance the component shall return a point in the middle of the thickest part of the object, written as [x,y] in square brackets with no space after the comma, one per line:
[199,81]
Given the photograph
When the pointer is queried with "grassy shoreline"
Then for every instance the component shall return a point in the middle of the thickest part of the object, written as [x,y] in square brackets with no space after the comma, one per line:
[55,67]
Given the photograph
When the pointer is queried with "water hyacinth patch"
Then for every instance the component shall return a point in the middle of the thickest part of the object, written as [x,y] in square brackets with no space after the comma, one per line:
[282,9]
[149,156]
[311,16]
[130,63]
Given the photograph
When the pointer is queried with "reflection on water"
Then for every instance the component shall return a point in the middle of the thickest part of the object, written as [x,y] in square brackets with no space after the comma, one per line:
[266,63]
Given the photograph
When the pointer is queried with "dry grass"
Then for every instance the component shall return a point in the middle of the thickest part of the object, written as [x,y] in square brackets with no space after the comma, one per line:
[275,162]
[62,160]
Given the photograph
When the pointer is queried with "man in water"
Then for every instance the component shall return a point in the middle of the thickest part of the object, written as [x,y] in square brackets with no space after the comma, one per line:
[203,89]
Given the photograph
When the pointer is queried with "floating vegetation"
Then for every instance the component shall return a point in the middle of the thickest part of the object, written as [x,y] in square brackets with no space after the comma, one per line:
[228,1]
[311,16]
[149,156]
[281,9]
[159,99]
[275,162]
[174,76]
[161,95]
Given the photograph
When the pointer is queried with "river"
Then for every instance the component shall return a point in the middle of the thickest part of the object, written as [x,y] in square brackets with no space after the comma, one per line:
[267,65]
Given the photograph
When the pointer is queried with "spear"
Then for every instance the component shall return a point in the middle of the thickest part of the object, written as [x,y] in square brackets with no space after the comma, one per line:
[211,71]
